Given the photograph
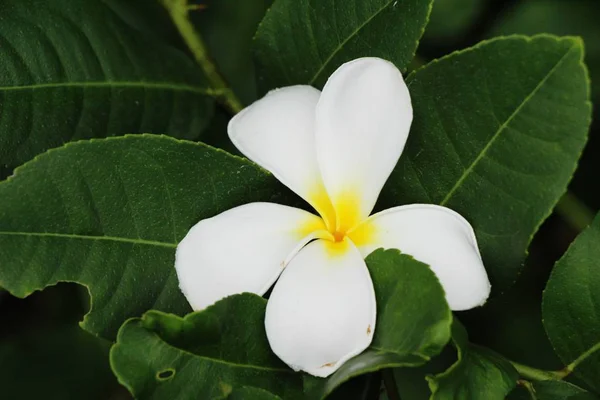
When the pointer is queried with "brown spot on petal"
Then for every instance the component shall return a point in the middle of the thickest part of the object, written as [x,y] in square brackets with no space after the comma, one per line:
[369,330]
[330,364]
[282,264]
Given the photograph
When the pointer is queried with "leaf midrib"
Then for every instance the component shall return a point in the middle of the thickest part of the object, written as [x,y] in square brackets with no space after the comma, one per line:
[502,127]
[140,241]
[114,84]
[345,41]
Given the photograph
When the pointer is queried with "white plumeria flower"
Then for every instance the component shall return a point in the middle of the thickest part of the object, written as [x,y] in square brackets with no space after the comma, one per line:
[335,149]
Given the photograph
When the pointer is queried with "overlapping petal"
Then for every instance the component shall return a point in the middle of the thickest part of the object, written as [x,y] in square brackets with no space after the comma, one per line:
[278,133]
[241,250]
[322,310]
[438,237]
[362,122]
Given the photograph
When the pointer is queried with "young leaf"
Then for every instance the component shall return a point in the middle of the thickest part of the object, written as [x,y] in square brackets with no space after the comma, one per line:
[82,69]
[207,354]
[304,41]
[108,214]
[413,320]
[478,373]
[571,306]
[497,132]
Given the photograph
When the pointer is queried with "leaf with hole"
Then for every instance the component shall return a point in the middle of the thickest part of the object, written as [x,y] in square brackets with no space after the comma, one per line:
[413,325]
[108,214]
[208,353]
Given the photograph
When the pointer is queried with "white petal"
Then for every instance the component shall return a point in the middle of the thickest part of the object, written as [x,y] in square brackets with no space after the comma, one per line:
[322,310]
[277,132]
[439,237]
[362,122]
[241,250]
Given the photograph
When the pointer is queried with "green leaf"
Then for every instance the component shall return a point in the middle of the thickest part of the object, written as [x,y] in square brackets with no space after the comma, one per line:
[413,320]
[82,69]
[548,390]
[571,306]
[63,362]
[560,18]
[205,355]
[227,27]
[304,41]
[251,393]
[413,324]
[109,213]
[478,373]
[497,132]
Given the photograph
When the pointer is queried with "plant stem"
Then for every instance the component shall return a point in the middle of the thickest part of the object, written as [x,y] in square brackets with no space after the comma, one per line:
[538,374]
[179,11]
[390,384]
[574,212]
[529,387]
[569,368]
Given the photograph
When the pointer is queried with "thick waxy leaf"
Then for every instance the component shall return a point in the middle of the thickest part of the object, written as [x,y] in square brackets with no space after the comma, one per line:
[207,354]
[549,390]
[496,135]
[77,69]
[413,320]
[227,27]
[571,306]
[109,213]
[413,325]
[479,372]
[251,393]
[304,41]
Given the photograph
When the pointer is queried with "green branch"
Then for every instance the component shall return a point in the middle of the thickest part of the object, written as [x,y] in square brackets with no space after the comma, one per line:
[390,384]
[535,374]
[179,12]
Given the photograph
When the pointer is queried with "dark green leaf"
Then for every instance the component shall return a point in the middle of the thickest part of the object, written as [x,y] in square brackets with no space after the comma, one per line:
[560,18]
[227,27]
[413,324]
[109,213]
[251,393]
[304,41]
[413,320]
[451,19]
[77,69]
[548,390]
[479,373]
[497,132]
[205,355]
[571,306]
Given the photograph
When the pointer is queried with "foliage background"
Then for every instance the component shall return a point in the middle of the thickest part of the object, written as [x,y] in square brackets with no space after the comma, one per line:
[44,354]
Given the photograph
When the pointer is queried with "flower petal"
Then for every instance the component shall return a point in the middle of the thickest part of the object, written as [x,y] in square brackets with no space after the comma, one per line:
[241,250]
[277,132]
[437,236]
[362,122]
[322,310]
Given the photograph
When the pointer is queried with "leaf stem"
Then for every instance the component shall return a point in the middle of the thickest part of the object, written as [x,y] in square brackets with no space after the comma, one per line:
[574,211]
[390,384]
[529,387]
[538,374]
[179,12]
[569,368]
